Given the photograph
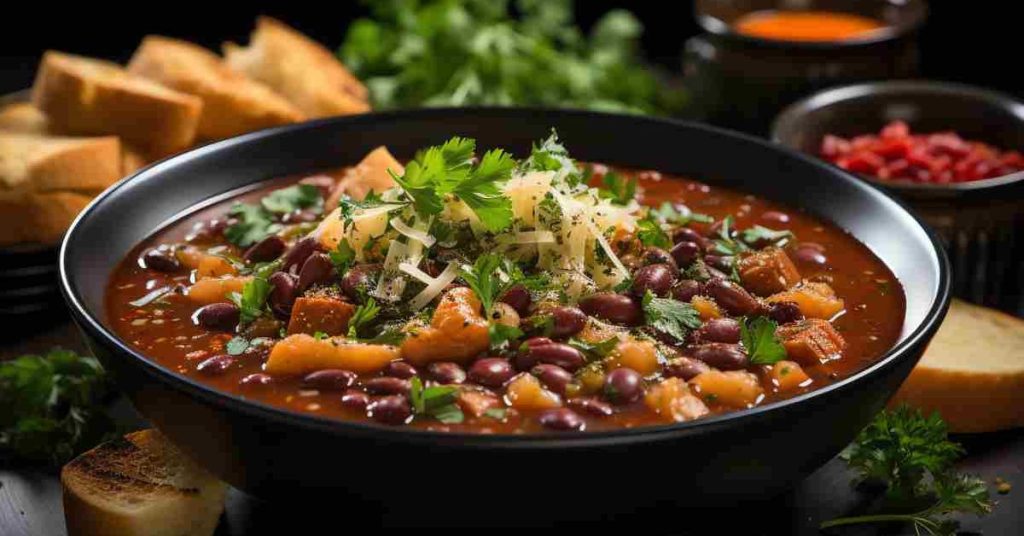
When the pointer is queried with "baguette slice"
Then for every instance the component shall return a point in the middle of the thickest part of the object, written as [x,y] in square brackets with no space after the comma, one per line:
[299,68]
[232,103]
[140,485]
[47,163]
[972,372]
[88,96]
[23,117]
[39,218]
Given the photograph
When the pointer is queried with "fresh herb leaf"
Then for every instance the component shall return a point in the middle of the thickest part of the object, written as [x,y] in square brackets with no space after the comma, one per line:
[539,324]
[252,300]
[680,214]
[389,337]
[342,257]
[292,198]
[698,271]
[595,350]
[319,336]
[650,233]
[437,401]
[497,414]
[623,285]
[724,243]
[237,346]
[758,336]
[349,207]
[52,406]
[363,316]
[618,189]
[490,278]
[758,236]
[254,223]
[672,317]
[551,155]
[502,335]
[482,192]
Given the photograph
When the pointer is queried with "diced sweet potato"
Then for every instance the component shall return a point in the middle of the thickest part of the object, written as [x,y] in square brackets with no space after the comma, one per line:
[640,356]
[815,299]
[811,341]
[369,175]
[767,271]
[596,331]
[302,354]
[526,392]
[215,266]
[674,402]
[457,331]
[476,403]
[706,307]
[326,314]
[735,388]
[788,376]
[216,289]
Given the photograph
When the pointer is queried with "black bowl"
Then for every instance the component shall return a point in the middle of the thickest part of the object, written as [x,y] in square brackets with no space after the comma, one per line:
[980,221]
[272,452]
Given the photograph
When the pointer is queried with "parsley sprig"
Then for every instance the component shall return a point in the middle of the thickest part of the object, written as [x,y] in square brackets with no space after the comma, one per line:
[758,336]
[363,316]
[618,189]
[256,222]
[436,401]
[671,317]
[489,277]
[252,300]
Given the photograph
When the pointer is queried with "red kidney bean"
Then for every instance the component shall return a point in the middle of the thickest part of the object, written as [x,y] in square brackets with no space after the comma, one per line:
[317,270]
[491,371]
[784,312]
[592,406]
[773,216]
[265,250]
[216,365]
[392,409]
[809,255]
[218,316]
[553,377]
[324,183]
[684,367]
[556,353]
[684,253]
[719,262]
[282,293]
[722,356]
[525,358]
[719,330]
[518,297]
[357,280]
[160,260]
[685,234]
[655,255]
[732,297]
[657,278]
[330,379]
[623,385]
[400,369]
[446,372]
[567,321]
[386,386]
[615,308]
[686,289]
[298,253]
[256,379]
[563,419]
[355,399]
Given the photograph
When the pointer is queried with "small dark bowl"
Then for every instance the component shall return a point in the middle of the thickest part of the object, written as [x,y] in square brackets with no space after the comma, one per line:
[432,477]
[981,221]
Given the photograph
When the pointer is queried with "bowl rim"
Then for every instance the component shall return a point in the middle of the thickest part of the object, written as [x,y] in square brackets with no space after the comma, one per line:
[890,32]
[274,414]
[790,117]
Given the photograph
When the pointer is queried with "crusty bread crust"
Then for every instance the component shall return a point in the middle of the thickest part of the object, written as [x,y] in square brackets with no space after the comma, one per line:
[232,103]
[23,117]
[87,96]
[301,69]
[48,163]
[140,485]
[39,217]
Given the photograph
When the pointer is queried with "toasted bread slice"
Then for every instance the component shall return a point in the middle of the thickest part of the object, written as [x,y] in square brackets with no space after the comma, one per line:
[972,372]
[48,163]
[39,218]
[299,68]
[23,117]
[140,485]
[232,103]
[88,96]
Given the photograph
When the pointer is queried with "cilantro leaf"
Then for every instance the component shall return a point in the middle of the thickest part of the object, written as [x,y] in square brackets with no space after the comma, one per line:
[650,233]
[252,300]
[363,316]
[501,335]
[486,278]
[342,257]
[758,236]
[758,336]
[595,350]
[436,401]
[680,214]
[481,190]
[292,198]
[724,243]
[618,189]
[237,345]
[672,317]
[253,224]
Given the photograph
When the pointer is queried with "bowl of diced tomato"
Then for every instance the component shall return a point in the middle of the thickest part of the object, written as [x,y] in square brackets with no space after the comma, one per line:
[954,153]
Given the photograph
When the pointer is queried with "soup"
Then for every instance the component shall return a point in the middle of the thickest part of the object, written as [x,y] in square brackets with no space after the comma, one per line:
[477,293]
[817,26]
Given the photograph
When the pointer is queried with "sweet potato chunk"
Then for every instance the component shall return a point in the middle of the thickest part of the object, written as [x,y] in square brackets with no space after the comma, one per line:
[811,341]
[735,388]
[214,266]
[641,356]
[788,376]
[457,331]
[674,402]
[476,403]
[706,307]
[327,314]
[767,271]
[216,289]
[302,354]
[526,392]
[815,300]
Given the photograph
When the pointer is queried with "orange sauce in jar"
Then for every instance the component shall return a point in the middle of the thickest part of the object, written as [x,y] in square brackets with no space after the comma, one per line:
[821,26]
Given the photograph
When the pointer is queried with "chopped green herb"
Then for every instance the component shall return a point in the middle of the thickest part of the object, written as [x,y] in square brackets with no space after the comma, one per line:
[497,414]
[671,317]
[319,336]
[437,401]
[502,335]
[252,300]
[670,213]
[650,233]
[292,198]
[342,257]
[539,324]
[763,236]
[618,189]
[490,278]
[725,244]
[254,224]
[595,350]
[390,337]
[237,346]
[698,271]
[350,206]
[623,285]
[758,336]
[363,316]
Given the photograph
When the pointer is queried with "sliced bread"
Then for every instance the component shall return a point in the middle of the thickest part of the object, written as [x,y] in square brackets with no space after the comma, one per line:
[300,69]
[140,485]
[39,218]
[23,117]
[88,96]
[232,103]
[48,163]
[972,372]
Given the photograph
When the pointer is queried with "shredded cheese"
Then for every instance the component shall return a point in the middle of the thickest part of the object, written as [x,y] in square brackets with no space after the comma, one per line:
[434,287]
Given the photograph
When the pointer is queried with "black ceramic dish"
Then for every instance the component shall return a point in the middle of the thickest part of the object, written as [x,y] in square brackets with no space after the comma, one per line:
[424,477]
[742,81]
[981,222]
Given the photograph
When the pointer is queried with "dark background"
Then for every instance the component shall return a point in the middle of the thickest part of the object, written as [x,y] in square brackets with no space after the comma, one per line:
[974,42]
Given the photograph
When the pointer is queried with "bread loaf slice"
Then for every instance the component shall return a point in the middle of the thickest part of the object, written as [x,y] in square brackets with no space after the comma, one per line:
[140,485]
[40,218]
[972,372]
[88,96]
[232,103]
[48,163]
[300,69]
[23,117]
